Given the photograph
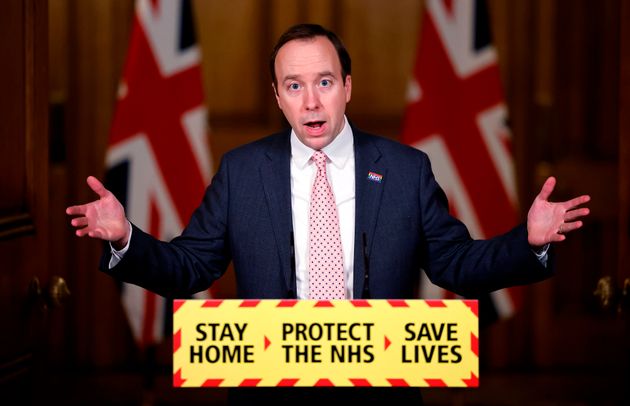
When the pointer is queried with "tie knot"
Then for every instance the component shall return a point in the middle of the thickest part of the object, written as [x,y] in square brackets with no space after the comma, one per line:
[319,157]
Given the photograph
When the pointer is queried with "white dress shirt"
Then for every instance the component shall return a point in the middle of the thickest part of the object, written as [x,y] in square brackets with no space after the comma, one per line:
[340,171]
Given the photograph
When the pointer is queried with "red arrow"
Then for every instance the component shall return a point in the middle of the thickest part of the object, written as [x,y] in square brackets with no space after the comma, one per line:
[267,342]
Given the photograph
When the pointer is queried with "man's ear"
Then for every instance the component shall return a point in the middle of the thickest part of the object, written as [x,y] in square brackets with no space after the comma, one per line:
[348,87]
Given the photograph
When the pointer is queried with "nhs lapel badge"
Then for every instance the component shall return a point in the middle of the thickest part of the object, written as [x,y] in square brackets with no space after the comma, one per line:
[375,177]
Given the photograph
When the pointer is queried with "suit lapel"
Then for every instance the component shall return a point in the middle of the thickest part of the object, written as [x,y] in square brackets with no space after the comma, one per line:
[276,179]
[371,175]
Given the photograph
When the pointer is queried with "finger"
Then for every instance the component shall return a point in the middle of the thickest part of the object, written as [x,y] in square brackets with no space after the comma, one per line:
[79,222]
[87,231]
[576,201]
[97,186]
[81,232]
[573,214]
[547,188]
[76,210]
[96,234]
[572,226]
[557,237]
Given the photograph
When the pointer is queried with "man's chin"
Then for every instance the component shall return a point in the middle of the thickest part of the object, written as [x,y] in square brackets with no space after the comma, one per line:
[315,141]
[318,142]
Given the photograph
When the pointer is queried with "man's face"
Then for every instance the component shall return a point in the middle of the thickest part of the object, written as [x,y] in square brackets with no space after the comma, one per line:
[311,92]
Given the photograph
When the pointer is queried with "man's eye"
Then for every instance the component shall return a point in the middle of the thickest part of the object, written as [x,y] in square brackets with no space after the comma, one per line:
[294,86]
[325,83]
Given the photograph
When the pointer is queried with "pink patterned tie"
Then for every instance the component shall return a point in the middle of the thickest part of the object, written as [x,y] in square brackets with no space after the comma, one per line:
[325,264]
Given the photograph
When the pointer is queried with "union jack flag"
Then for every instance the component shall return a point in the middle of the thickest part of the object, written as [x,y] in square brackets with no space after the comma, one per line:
[158,158]
[456,114]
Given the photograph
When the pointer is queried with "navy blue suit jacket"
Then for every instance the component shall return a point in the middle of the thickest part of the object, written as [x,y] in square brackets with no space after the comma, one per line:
[245,217]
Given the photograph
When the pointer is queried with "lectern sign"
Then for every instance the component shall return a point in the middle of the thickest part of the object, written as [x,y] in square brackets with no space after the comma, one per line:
[227,343]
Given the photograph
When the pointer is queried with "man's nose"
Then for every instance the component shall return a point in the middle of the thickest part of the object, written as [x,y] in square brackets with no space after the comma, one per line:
[311,99]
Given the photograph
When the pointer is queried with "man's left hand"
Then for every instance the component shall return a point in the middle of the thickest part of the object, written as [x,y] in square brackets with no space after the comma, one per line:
[550,221]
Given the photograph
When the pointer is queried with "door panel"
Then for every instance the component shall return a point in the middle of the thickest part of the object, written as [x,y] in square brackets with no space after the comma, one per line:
[23,193]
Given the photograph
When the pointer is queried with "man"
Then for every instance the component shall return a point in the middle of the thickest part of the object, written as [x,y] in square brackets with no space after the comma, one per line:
[388,212]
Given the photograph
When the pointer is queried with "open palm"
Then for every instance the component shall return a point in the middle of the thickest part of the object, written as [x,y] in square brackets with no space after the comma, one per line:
[550,221]
[103,218]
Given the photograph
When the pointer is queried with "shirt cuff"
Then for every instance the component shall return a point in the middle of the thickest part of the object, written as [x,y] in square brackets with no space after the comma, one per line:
[117,255]
[542,254]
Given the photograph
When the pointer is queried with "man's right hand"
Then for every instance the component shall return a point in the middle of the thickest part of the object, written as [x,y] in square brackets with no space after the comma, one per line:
[103,218]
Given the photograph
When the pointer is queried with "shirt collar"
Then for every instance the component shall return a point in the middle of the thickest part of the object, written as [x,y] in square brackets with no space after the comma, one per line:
[338,151]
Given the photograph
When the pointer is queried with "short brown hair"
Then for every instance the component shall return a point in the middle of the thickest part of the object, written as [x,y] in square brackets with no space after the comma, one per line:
[308,31]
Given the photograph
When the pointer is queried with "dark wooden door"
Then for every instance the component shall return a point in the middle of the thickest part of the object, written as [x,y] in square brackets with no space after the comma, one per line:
[24,281]
[580,136]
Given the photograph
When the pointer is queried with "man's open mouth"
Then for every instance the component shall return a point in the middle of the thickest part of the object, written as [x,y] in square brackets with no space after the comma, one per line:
[314,124]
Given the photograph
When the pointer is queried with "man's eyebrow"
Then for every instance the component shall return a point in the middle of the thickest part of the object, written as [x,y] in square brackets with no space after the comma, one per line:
[319,75]
[290,77]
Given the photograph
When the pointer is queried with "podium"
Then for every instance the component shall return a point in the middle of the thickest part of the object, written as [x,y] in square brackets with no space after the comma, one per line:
[336,343]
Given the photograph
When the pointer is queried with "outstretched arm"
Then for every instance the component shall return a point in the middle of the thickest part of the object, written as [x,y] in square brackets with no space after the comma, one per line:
[548,222]
[103,218]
